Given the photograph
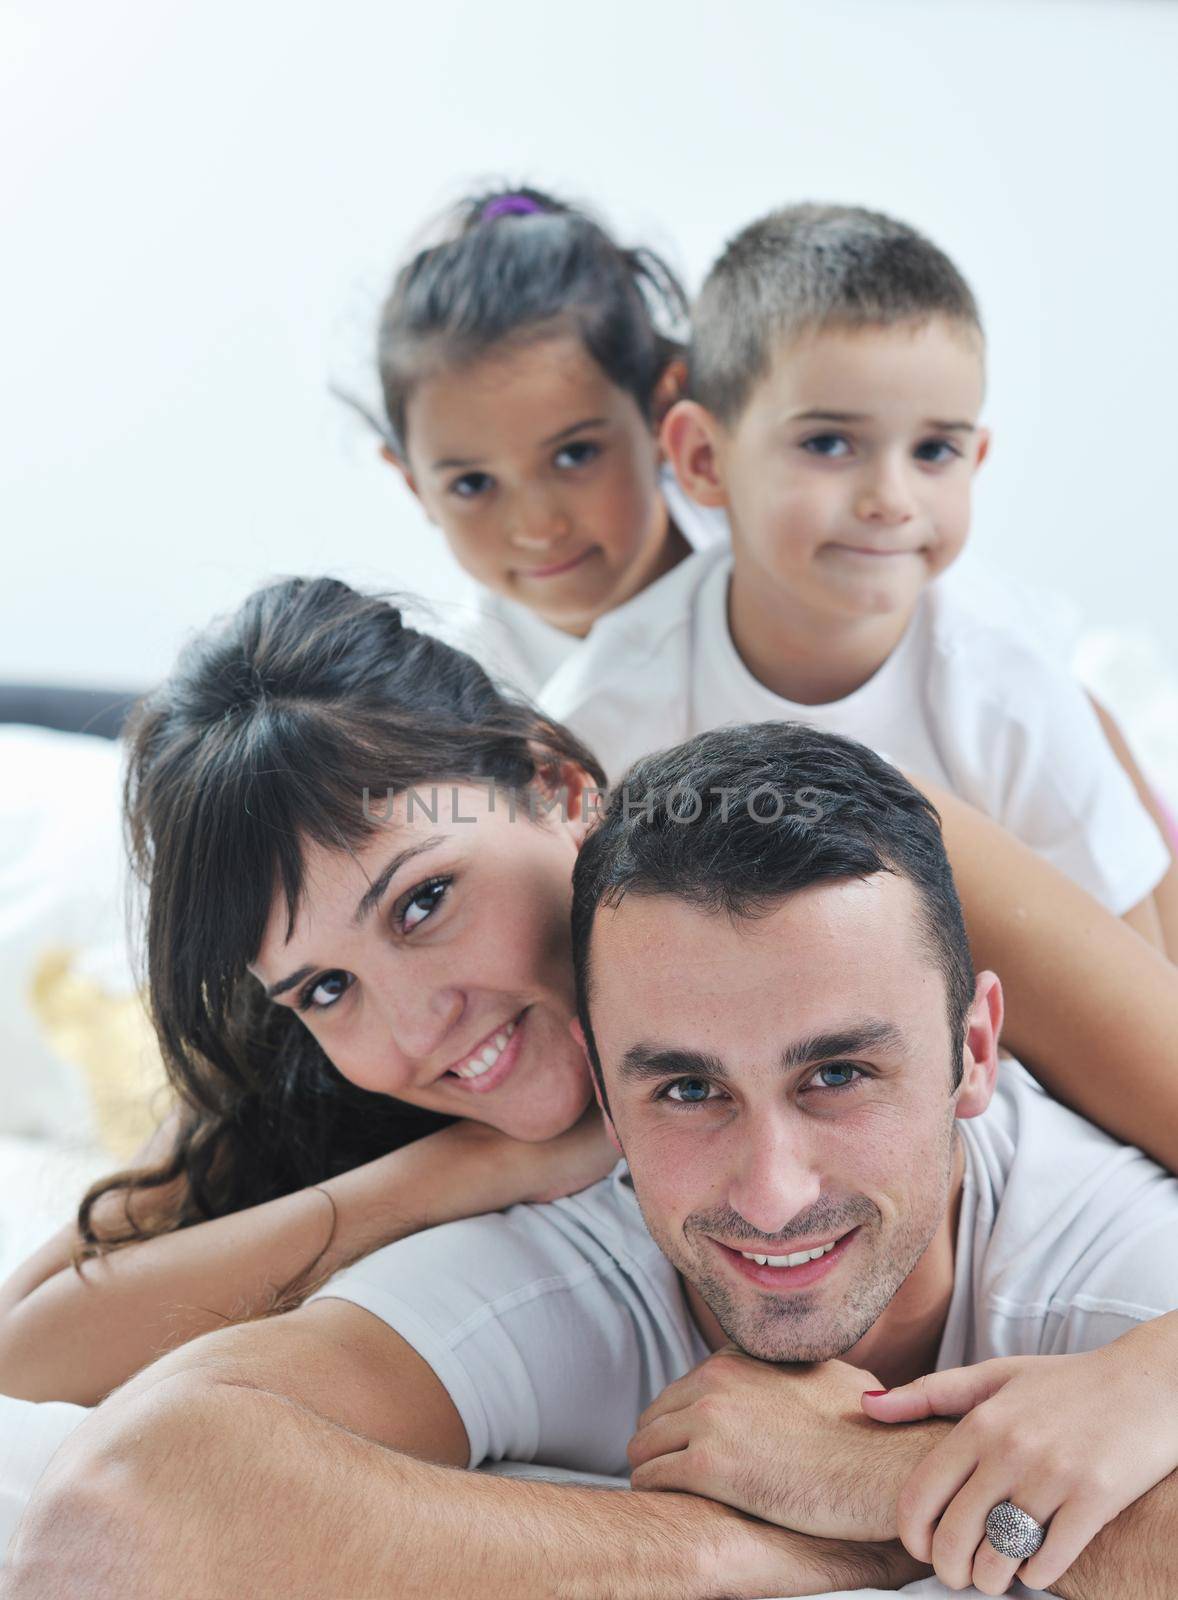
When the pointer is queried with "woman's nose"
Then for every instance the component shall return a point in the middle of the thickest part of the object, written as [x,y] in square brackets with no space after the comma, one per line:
[419,1025]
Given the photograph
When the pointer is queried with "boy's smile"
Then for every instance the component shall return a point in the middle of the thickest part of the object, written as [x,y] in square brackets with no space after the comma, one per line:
[847,480]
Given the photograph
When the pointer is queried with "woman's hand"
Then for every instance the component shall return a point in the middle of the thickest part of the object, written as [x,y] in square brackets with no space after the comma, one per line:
[474,1168]
[1070,1439]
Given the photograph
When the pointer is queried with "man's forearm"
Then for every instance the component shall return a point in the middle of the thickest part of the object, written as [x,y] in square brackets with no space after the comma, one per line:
[200,1487]
[1134,1557]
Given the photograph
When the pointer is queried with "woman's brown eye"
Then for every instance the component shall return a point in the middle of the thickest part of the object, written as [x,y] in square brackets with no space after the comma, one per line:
[325,991]
[423,901]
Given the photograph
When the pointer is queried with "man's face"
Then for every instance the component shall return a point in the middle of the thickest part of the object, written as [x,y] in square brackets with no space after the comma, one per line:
[781,1085]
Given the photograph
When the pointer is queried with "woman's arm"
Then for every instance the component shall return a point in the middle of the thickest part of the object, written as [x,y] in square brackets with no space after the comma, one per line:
[1091,1008]
[1160,910]
[70,1337]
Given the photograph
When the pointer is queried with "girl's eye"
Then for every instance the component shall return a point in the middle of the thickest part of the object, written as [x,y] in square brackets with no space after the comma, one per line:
[323,993]
[838,1075]
[471,485]
[688,1091]
[830,445]
[936,451]
[420,903]
[577,454]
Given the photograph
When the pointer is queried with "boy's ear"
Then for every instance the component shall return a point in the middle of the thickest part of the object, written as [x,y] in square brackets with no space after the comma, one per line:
[979,1067]
[394,460]
[578,1034]
[690,439]
[982,448]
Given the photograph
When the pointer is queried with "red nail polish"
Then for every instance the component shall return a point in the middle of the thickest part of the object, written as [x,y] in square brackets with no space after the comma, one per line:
[876,1392]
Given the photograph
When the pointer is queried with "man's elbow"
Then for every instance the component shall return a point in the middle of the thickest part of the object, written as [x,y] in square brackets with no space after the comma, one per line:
[108,1515]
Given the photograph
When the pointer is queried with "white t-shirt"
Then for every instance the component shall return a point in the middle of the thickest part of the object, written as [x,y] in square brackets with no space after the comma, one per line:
[526,653]
[553,1327]
[963,701]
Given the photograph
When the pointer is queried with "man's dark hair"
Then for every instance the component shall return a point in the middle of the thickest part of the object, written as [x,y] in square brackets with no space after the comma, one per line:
[809,267]
[736,819]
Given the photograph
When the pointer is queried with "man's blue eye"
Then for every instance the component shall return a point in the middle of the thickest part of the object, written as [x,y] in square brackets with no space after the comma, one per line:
[843,1075]
[689,1091]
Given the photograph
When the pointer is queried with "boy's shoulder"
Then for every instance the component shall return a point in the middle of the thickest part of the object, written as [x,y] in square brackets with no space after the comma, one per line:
[999,641]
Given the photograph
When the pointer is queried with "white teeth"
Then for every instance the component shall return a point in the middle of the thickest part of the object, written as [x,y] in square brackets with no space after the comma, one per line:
[487,1057]
[798,1259]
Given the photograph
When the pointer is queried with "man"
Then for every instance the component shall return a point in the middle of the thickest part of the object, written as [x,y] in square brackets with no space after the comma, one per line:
[775,992]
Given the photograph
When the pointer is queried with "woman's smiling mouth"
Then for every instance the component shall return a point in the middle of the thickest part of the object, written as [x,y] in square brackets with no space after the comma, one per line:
[490,1063]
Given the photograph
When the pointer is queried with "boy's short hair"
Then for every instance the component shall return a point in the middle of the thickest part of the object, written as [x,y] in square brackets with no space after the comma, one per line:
[807,267]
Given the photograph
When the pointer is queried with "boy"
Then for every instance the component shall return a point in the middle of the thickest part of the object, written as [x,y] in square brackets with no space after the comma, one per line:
[836,374]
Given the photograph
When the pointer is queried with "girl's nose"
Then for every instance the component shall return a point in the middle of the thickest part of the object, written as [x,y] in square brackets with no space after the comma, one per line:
[540,525]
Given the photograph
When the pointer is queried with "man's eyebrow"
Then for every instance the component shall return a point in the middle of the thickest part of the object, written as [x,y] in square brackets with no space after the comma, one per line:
[643,1062]
[373,894]
[861,1038]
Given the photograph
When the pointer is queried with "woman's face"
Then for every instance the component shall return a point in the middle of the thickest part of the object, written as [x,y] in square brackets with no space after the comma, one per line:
[434,964]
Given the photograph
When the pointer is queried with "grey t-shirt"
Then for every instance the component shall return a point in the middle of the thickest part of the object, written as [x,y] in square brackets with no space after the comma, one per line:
[553,1327]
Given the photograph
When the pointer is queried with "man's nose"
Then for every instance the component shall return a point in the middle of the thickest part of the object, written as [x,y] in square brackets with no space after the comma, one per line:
[540,522]
[885,494]
[774,1179]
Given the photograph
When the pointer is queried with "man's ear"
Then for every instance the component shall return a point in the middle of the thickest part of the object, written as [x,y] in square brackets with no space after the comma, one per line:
[578,1034]
[387,453]
[981,447]
[691,438]
[979,1057]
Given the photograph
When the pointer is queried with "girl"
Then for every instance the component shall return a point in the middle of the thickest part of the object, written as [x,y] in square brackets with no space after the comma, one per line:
[358,963]
[526,361]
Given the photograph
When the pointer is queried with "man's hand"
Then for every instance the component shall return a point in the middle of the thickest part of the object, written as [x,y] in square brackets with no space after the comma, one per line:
[787,1444]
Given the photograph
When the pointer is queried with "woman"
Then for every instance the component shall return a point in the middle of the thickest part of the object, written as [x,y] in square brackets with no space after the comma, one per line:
[358,856]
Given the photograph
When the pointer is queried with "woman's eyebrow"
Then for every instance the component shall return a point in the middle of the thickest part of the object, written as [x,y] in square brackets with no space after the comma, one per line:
[373,894]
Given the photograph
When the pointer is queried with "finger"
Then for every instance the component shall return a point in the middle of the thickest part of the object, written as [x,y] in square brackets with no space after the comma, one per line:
[661,1437]
[1071,1530]
[938,1394]
[675,1397]
[993,1573]
[929,1491]
[678,1470]
[957,1547]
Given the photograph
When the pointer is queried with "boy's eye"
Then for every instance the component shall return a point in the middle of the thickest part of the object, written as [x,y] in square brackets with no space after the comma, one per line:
[577,454]
[420,903]
[471,484]
[323,992]
[688,1091]
[832,445]
[838,1075]
[936,451]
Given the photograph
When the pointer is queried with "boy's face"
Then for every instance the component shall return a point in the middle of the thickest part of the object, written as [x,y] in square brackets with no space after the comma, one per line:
[847,476]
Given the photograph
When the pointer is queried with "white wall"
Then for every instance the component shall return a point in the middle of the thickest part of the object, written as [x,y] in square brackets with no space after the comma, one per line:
[202,201]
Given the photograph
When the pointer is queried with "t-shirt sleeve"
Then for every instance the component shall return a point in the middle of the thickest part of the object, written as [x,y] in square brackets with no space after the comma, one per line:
[549,1344]
[1024,744]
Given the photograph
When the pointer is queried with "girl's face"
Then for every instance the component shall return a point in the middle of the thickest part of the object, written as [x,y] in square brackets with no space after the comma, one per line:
[434,965]
[542,474]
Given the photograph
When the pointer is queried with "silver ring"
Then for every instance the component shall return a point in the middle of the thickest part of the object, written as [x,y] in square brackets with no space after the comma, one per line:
[1014,1532]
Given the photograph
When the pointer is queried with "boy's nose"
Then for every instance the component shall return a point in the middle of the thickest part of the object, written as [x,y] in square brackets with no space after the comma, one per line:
[774,1180]
[885,497]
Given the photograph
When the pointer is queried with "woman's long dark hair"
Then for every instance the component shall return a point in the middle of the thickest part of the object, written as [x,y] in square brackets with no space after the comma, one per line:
[266,737]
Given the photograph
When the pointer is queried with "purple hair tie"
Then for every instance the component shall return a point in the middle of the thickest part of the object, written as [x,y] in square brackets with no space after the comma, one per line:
[509,205]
